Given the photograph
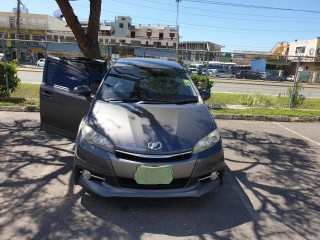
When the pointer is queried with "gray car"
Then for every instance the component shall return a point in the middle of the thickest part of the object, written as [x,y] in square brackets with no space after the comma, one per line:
[146,133]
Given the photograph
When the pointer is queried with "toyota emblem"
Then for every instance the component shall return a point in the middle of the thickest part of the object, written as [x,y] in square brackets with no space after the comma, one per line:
[154,145]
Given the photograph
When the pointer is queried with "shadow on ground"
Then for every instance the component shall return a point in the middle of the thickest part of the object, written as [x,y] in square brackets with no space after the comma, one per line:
[38,200]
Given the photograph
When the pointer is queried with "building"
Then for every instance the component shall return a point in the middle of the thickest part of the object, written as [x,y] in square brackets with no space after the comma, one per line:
[307,55]
[199,51]
[37,29]
[123,32]
[34,28]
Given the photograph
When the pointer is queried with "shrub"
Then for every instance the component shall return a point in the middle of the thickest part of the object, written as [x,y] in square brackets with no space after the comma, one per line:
[295,98]
[200,82]
[13,79]
[257,100]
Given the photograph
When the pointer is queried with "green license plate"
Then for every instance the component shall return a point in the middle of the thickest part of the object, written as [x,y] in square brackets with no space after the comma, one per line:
[153,175]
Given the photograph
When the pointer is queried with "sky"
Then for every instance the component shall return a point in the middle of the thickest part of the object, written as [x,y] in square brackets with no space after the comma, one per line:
[252,25]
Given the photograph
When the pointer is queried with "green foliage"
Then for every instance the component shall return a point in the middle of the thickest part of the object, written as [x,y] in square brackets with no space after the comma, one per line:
[200,82]
[256,100]
[295,98]
[179,58]
[13,79]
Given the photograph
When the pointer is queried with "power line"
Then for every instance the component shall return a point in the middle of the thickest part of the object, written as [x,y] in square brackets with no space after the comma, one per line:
[218,27]
[224,12]
[252,6]
[211,16]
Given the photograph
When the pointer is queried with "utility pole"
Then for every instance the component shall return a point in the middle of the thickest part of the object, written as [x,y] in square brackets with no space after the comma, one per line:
[18,31]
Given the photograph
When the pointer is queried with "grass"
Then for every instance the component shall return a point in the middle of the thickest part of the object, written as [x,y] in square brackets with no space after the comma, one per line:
[26,94]
[269,112]
[261,101]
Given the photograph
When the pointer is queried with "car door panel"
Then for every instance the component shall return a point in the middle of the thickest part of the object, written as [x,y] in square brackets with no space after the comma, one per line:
[61,111]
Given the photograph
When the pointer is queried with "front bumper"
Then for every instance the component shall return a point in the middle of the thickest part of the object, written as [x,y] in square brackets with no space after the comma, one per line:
[106,190]
[113,176]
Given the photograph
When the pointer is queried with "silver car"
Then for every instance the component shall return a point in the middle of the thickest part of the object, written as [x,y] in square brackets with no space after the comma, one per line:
[221,73]
[147,133]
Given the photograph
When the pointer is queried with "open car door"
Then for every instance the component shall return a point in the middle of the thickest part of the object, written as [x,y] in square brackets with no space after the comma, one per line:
[61,111]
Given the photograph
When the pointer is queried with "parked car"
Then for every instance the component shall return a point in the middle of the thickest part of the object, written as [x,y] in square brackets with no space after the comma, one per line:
[40,62]
[247,74]
[268,76]
[290,78]
[145,133]
[221,73]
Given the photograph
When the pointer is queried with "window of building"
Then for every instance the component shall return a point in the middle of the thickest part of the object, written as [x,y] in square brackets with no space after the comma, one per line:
[12,22]
[31,20]
[123,19]
[133,34]
[24,36]
[61,38]
[160,36]
[157,44]
[42,21]
[300,50]
[120,25]
[136,43]
[12,36]
[70,39]
[172,35]
[38,37]
[148,34]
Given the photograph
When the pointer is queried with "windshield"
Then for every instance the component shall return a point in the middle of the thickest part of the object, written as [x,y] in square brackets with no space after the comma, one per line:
[133,84]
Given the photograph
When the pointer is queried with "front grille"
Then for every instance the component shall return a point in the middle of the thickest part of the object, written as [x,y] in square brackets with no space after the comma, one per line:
[153,158]
[131,183]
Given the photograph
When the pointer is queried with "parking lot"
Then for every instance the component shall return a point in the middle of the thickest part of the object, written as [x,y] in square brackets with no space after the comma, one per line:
[271,190]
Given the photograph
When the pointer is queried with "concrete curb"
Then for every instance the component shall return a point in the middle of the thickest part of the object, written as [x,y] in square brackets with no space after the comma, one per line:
[266,118]
[32,108]
[28,108]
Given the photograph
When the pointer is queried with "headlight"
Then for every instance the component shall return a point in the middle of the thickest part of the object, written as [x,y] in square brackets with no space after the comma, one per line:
[96,139]
[207,142]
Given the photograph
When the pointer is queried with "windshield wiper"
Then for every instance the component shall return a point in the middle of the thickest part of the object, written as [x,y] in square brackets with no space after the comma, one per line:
[127,100]
[185,101]
[139,100]
[153,101]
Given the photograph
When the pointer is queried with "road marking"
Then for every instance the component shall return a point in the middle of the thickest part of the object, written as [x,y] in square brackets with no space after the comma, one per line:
[315,142]
[241,192]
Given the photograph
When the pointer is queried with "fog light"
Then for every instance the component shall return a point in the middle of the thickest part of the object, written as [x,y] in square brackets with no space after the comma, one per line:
[213,175]
[86,174]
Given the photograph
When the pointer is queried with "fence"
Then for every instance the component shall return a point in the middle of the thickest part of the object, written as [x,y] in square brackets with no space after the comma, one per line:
[239,78]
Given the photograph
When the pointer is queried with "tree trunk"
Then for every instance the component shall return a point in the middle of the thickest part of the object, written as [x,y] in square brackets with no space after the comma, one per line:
[88,42]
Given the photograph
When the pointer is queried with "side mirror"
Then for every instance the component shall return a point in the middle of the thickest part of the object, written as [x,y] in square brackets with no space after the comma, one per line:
[82,91]
[205,95]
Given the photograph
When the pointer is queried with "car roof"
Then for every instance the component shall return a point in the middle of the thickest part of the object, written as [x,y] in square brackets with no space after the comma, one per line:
[148,63]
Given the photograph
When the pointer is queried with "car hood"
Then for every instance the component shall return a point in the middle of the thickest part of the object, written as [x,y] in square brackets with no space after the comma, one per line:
[131,127]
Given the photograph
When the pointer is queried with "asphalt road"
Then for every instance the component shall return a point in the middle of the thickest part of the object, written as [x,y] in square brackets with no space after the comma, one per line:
[271,190]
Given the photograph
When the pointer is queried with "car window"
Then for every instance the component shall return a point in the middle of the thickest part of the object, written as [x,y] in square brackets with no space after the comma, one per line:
[138,83]
[65,76]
